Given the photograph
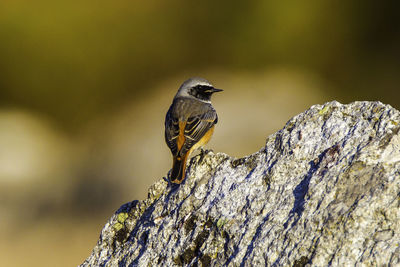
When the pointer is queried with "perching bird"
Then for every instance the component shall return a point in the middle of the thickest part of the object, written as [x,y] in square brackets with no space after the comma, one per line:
[189,123]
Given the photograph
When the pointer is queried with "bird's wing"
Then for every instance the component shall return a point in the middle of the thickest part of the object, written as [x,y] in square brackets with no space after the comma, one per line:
[171,131]
[197,126]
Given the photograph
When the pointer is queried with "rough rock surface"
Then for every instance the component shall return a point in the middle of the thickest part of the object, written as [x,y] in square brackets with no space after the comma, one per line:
[325,190]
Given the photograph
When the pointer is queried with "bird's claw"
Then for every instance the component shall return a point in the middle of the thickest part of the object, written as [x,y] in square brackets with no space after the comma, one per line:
[203,153]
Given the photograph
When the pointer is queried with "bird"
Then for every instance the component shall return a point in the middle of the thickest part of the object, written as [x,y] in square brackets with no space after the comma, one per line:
[189,123]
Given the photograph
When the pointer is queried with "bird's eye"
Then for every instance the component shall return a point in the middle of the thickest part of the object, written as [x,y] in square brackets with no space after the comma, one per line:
[204,88]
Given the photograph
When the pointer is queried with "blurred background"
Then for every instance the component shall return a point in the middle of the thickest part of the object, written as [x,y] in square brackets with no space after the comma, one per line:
[84,88]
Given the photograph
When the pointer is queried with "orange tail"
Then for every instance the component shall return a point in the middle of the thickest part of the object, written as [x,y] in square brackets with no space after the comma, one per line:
[178,169]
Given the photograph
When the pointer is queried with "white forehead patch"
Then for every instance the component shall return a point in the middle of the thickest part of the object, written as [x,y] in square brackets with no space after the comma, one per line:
[192,82]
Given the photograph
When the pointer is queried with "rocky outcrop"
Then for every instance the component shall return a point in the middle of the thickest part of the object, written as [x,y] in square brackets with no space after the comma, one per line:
[325,190]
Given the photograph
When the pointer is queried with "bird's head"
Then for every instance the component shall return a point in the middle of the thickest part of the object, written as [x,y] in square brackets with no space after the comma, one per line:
[198,88]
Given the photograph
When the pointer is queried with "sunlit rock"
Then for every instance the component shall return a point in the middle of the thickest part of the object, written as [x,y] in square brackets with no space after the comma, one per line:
[323,191]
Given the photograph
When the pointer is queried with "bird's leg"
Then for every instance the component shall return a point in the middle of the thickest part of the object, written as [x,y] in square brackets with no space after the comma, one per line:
[203,153]
[172,185]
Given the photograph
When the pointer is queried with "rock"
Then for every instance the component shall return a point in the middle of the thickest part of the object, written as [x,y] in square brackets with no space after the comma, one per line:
[325,190]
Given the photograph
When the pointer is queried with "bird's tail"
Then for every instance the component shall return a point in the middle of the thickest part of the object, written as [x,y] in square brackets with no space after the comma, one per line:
[178,169]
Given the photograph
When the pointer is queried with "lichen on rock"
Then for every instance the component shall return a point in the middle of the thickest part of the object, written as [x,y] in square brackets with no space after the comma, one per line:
[323,191]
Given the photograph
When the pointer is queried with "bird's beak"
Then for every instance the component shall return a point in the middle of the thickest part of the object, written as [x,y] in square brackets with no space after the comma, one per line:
[214,90]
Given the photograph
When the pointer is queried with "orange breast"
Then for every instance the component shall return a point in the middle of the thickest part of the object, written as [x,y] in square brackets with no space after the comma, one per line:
[204,140]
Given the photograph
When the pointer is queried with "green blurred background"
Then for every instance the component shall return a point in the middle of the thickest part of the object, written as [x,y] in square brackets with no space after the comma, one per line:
[84,88]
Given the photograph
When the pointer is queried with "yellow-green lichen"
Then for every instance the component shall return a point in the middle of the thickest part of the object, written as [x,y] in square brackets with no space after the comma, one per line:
[323,110]
[118,226]
[221,222]
[122,217]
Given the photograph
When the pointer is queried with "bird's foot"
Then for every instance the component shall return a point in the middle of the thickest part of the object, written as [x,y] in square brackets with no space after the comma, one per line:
[203,153]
